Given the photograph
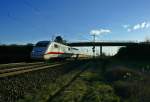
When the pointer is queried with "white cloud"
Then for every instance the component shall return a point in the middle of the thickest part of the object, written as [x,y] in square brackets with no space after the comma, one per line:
[143,25]
[148,25]
[126,26]
[129,30]
[100,31]
[140,26]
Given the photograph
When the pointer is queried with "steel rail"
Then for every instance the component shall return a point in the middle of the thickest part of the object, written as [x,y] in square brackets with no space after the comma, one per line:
[10,65]
[27,70]
[19,68]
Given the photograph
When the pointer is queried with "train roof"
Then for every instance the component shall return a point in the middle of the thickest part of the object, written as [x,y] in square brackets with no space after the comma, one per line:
[43,42]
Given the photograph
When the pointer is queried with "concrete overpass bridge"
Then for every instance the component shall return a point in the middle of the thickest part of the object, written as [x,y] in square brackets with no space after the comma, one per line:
[101,44]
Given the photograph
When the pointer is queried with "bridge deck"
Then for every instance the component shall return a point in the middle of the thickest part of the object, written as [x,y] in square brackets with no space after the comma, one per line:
[87,44]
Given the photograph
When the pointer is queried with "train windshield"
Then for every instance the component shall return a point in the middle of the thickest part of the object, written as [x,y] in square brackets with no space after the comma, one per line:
[42,44]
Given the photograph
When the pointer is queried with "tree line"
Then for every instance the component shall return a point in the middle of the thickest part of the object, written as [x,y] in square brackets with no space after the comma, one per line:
[135,52]
[15,53]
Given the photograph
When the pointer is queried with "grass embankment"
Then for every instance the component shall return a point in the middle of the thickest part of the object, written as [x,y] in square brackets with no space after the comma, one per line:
[89,87]
[130,79]
[129,73]
[110,80]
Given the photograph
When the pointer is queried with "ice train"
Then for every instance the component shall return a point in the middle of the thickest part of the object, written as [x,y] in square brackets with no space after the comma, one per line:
[52,50]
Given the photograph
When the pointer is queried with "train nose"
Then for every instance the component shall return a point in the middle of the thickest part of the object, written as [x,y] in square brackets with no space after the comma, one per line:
[36,56]
[37,53]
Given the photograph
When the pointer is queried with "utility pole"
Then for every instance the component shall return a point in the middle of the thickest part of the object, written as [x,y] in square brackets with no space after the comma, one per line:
[93,45]
[101,50]
[53,37]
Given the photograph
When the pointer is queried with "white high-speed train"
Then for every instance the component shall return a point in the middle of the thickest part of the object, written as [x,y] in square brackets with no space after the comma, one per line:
[52,50]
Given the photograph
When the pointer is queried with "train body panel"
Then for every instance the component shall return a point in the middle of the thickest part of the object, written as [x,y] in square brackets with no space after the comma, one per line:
[53,50]
[56,50]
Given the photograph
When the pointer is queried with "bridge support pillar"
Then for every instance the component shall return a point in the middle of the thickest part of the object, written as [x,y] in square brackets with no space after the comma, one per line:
[101,49]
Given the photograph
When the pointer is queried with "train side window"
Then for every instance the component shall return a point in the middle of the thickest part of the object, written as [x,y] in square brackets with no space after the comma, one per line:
[55,46]
[68,49]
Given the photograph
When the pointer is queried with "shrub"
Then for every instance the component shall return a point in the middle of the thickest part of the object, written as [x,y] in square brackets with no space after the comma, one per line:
[135,91]
[99,92]
[123,89]
[122,73]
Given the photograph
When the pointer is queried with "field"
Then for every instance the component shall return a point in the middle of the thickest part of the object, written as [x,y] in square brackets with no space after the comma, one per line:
[95,80]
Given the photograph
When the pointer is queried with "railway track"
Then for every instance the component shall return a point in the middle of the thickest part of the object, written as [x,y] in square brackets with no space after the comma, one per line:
[26,68]
[14,85]
[21,64]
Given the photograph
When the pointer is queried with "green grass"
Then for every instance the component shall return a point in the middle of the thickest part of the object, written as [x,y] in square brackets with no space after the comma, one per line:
[89,87]
[129,80]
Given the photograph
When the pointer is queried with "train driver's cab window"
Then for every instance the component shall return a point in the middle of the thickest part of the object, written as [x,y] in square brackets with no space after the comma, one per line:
[55,46]
[42,44]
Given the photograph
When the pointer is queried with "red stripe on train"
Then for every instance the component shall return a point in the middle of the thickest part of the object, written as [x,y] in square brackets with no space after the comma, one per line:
[55,53]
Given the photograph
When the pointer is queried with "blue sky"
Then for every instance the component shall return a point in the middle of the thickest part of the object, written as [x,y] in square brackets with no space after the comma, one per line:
[28,21]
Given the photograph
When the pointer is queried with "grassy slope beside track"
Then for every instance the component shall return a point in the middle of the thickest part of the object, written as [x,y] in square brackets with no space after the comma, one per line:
[130,79]
[89,87]
[110,80]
